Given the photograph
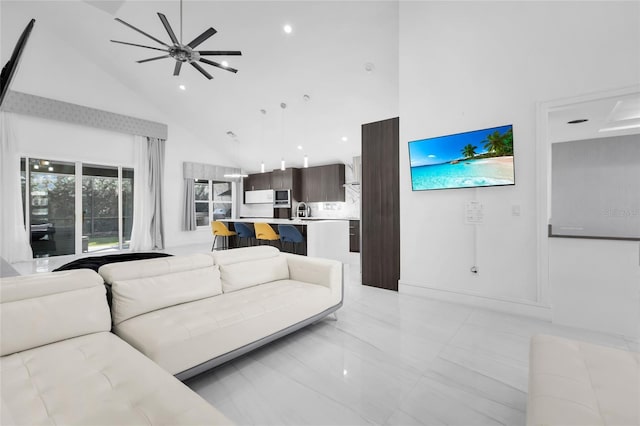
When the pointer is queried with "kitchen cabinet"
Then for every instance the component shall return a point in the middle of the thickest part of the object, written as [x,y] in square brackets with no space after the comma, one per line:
[257,181]
[311,180]
[323,183]
[354,236]
[288,179]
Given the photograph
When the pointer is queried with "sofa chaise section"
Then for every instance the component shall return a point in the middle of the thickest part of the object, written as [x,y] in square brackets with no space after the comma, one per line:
[242,299]
[61,365]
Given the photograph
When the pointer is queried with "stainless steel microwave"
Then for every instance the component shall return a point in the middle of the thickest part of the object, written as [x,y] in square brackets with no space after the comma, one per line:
[282,198]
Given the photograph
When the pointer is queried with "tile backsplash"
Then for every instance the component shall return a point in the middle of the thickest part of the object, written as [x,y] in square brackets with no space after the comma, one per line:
[339,210]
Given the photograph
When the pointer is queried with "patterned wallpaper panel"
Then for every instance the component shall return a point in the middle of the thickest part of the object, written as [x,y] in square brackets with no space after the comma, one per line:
[26,104]
[208,171]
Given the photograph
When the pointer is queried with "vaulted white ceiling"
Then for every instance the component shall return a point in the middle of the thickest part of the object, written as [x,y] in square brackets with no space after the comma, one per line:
[342,55]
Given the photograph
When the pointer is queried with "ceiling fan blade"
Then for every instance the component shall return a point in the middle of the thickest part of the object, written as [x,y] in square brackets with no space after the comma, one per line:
[202,37]
[167,27]
[215,64]
[142,32]
[176,70]
[219,52]
[199,68]
[153,59]
[139,45]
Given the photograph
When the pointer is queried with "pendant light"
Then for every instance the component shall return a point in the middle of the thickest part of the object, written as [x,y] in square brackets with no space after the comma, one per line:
[263,112]
[283,106]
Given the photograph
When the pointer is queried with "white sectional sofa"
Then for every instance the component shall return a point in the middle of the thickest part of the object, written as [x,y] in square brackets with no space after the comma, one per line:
[60,364]
[578,383]
[191,313]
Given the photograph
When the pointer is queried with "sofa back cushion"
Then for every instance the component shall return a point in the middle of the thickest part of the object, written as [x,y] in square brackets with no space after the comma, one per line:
[153,267]
[44,308]
[246,267]
[144,286]
[245,254]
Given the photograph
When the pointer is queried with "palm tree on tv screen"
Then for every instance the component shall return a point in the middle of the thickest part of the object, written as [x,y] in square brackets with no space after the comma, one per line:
[469,151]
[499,144]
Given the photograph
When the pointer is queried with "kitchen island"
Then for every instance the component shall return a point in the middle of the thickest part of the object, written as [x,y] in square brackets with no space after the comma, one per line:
[324,238]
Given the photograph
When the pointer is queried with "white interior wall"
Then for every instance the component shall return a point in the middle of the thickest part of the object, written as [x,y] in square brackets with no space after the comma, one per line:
[50,68]
[472,65]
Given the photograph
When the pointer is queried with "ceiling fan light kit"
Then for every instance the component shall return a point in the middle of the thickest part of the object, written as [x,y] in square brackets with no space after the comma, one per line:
[182,52]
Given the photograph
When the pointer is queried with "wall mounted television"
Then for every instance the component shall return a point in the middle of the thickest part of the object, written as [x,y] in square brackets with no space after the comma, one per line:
[11,66]
[463,160]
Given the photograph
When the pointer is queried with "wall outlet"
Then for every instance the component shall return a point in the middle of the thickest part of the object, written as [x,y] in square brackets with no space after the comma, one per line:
[515,210]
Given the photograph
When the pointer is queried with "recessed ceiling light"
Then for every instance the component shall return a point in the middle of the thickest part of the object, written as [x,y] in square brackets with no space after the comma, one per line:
[287,29]
[225,63]
[578,121]
[300,147]
[344,139]
[182,87]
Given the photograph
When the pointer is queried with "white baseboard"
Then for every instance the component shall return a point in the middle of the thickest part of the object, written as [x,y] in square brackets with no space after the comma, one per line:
[510,306]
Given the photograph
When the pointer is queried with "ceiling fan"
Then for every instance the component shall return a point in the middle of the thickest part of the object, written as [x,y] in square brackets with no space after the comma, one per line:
[183,52]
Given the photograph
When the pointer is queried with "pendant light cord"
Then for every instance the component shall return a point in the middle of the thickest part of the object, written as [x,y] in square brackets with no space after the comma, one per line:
[180,21]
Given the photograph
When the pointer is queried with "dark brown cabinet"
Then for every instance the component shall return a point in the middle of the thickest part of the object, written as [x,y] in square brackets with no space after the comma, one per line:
[287,179]
[257,182]
[354,236]
[311,179]
[323,183]
[380,213]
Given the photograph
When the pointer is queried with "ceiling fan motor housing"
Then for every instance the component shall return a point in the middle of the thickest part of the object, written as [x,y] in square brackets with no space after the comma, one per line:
[183,53]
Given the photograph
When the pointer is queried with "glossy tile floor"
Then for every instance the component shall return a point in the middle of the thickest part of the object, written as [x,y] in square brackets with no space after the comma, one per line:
[389,359]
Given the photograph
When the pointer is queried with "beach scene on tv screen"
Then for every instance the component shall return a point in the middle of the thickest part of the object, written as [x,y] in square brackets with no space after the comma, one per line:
[464,160]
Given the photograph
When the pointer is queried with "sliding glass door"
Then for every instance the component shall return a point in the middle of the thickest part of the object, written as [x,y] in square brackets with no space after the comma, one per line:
[50,206]
[75,208]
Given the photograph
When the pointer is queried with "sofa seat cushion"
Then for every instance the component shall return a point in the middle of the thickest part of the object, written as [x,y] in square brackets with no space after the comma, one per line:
[96,379]
[578,383]
[184,336]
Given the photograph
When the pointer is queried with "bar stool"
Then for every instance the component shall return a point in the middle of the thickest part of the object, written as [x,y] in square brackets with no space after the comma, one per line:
[244,231]
[290,234]
[264,232]
[219,229]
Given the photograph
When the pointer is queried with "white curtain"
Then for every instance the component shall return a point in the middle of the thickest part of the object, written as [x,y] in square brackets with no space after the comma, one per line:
[14,238]
[147,232]
[141,229]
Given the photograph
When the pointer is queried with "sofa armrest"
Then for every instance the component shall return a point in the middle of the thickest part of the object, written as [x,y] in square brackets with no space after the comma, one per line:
[315,270]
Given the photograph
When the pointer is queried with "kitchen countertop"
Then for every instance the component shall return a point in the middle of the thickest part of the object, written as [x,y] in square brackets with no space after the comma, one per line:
[331,218]
[275,221]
